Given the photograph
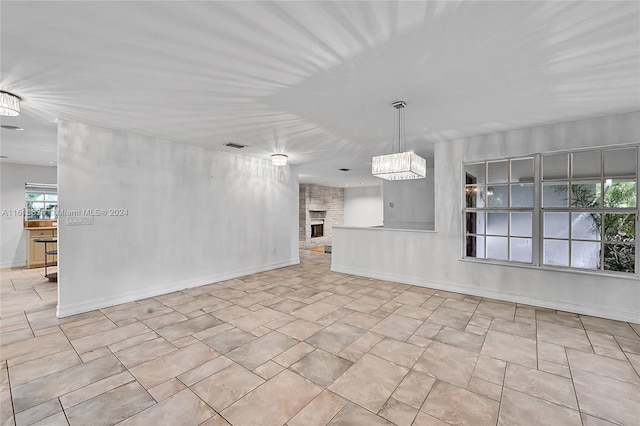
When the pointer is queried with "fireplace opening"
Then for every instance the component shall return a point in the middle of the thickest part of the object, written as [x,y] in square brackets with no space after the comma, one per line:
[317,230]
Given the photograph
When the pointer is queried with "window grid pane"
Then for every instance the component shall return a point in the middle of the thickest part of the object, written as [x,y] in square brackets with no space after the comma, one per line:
[588,210]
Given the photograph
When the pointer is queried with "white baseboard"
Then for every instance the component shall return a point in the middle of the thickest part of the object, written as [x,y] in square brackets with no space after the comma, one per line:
[578,308]
[6,265]
[91,305]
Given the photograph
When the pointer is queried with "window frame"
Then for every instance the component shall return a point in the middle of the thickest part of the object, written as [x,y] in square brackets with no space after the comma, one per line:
[538,210]
[43,190]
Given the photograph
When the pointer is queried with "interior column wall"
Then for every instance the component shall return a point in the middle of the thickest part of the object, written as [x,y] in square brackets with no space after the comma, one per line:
[166,216]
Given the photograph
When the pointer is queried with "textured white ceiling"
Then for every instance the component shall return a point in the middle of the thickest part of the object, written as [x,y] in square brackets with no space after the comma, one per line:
[313,79]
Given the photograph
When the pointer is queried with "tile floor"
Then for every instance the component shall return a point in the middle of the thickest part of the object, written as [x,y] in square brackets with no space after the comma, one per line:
[305,346]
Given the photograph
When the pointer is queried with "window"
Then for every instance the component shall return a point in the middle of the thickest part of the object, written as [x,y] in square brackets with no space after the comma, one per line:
[41,201]
[499,209]
[586,211]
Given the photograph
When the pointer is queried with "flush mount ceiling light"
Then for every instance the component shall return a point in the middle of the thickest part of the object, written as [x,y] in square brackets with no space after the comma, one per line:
[9,104]
[279,159]
[399,165]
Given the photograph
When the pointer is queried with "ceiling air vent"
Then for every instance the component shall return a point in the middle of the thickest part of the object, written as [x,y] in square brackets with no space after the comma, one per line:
[5,126]
[235,145]
[345,170]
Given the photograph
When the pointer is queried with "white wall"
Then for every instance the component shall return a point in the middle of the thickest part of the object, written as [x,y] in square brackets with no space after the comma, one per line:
[195,216]
[363,206]
[13,237]
[432,259]
[409,204]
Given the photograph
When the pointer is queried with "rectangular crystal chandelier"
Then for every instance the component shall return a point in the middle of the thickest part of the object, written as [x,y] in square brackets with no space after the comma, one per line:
[399,166]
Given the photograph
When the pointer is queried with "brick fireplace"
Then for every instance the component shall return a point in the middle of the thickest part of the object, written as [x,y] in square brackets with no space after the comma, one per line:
[321,208]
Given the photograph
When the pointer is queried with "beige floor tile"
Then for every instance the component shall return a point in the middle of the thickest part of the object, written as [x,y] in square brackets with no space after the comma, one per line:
[401,353]
[268,370]
[461,339]
[321,367]
[459,305]
[255,353]
[607,326]
[352,414]
[293,354]
[449,317]
[6,405]
[229,340]
[448,363]
[205,370]
[521,409]
[365,342]
[165,320]
[629,345]
[54,385]
[366,304]
[398,413]
[106,338]
[413,312]
[516,328]
[166,389]
[114,406]
[635,362]
[549,387]
[315,311]
[552,353]
[287,306]
[181,409]
[188,327]
[144,352]
[485,388]
[335,337]
[603,366]
[495,309]
[361,320]
[411,298]
[562,335]
[38,345]
[256,319]
[490,369]
[588,420]
[397,327]
[300,329]
[44,366]
[152,373]
[459,406]
[355,383]
[601,339]
[273,403]
[58,419]
[557,369]
[414,388]
[38,413]
[512,348]
[560,319]
[319,411]
[423,419]
[96,388]
[227,386]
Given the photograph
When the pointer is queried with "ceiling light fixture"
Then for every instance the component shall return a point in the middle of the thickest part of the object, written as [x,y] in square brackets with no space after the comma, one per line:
[399,165]
[279,159]
[9,104]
